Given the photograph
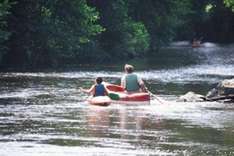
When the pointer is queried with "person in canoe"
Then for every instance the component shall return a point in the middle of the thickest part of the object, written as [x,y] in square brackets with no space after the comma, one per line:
[98,89]
[131,81]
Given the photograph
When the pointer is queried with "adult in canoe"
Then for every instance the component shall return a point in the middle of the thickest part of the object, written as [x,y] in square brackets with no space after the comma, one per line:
[131,81]
[98,89]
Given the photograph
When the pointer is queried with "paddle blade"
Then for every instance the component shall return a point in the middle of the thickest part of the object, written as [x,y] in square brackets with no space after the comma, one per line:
[114,96]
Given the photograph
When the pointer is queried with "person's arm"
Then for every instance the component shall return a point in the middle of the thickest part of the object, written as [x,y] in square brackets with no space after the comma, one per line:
[123,82]
[142,84]
[105,90]
[89,91]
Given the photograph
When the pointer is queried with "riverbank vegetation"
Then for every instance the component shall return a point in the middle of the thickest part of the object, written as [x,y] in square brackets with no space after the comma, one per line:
[42,33]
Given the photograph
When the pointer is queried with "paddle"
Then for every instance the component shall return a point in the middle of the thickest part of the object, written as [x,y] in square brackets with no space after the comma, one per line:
[156,97]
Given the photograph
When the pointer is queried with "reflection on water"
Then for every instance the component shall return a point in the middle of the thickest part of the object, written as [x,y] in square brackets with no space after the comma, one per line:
[45,114]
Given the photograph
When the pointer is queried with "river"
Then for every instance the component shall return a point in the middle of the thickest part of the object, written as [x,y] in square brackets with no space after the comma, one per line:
[44,113]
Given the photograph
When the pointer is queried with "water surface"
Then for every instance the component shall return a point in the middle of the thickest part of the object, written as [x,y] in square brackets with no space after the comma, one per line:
[46,114]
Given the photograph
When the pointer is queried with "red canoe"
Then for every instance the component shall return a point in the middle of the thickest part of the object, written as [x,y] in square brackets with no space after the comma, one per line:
[100,101]
[127,98]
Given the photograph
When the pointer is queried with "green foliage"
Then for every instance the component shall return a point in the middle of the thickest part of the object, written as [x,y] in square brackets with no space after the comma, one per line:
[5,5]
[73,24]
[193,22]
[137,38]
[123,38]
[54,30]
[229,3]
[161,18]
[42,33]
[209,7]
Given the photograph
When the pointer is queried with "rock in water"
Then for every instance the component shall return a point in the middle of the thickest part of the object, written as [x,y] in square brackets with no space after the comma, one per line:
[224,90]
[191,97]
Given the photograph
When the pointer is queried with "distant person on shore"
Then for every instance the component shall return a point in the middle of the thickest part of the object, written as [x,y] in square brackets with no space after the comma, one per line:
[131,81]
[98,89]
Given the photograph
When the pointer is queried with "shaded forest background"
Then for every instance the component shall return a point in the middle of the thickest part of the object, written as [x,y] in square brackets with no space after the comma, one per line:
[54,33]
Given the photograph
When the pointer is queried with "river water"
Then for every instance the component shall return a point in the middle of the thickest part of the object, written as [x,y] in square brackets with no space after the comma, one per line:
[44,113]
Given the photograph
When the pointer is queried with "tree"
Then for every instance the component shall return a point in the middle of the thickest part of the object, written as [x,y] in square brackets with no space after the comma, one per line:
[212,21]
[42,33]
[208,20]
[161,18]
[47,33]
[5,6]
[229,3]
[124,37]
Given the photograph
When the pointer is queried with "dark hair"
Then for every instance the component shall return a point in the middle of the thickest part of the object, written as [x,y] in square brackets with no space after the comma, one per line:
[99,80]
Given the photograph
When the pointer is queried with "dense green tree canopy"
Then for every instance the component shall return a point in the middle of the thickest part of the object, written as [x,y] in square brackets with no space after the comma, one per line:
[229,3]
[123,36]
[48,32]
[42,33]
[161,18]
[5,5]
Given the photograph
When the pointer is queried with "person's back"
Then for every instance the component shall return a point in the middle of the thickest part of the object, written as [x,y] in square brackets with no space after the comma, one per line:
[132,84]
[99,90]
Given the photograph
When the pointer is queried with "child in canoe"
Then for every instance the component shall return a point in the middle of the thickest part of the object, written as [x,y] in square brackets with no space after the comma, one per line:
[98,89]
